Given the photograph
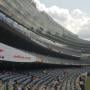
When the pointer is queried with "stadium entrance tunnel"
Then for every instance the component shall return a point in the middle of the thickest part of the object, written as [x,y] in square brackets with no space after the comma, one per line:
[8,37]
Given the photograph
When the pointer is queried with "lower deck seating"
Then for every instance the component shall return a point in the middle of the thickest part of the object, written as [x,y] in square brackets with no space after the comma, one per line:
[45,79]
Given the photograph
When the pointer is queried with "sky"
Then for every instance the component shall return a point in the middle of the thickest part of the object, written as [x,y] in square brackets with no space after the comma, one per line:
[72,14]
[69,4]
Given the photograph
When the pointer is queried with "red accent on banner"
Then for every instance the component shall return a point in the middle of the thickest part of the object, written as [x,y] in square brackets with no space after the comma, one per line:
[21,57]
[2,57]
[1,50]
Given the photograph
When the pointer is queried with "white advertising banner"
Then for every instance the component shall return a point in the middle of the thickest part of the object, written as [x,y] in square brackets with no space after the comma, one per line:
[8,53]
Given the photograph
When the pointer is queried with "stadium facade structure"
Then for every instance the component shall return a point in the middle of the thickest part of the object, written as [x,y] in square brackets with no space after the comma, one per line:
[30,35]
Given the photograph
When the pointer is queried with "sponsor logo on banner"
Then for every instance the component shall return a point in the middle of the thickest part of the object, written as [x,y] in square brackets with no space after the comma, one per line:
[1,50]
[1,57]
[21,57]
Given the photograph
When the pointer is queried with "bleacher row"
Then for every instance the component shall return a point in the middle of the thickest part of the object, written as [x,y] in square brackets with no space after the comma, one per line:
[42,79]
[18,11]
[56,60]
[29,35]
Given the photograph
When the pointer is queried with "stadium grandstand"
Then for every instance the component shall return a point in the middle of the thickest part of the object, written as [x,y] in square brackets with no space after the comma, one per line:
[36,53]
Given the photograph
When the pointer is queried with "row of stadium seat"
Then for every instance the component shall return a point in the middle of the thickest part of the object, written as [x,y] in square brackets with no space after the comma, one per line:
[51,79]
[27,8]
[38,39]
[56,60]
[70,44]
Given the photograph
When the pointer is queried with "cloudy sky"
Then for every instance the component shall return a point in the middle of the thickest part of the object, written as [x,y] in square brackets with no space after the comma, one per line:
[72,14]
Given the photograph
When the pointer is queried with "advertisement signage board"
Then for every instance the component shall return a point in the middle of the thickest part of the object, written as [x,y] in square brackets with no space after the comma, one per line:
[8,53]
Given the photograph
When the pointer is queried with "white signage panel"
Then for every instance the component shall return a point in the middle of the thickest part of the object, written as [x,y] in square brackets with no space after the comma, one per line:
[8,53]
